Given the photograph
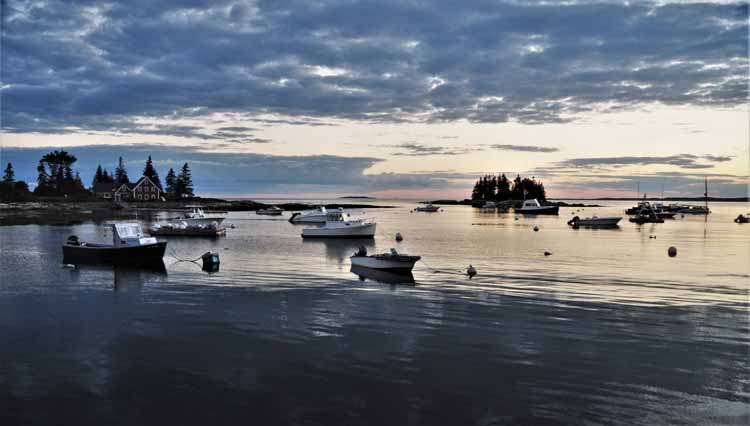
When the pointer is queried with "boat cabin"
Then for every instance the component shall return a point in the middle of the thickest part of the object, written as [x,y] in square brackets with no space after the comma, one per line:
[530,204]
[337,216]
[195,211]
[130,235]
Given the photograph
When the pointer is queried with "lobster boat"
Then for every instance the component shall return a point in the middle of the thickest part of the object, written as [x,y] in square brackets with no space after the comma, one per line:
[130,247]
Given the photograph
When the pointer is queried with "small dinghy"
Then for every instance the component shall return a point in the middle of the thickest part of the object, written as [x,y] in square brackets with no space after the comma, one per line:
[271,211]
[595,221]
[130,247]
[393,261]
[742,219]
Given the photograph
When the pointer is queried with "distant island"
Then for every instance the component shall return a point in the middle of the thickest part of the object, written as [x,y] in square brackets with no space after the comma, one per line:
[356,197]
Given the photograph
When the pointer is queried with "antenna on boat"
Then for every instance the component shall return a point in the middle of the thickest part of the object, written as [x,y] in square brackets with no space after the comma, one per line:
[705,192]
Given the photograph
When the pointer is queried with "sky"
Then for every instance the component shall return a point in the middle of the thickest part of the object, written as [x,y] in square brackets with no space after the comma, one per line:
[396,99]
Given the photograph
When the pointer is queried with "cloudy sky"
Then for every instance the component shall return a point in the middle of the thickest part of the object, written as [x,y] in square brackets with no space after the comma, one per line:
[398,98]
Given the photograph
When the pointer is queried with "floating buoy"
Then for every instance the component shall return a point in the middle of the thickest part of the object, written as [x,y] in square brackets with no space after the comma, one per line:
[231,226]
[516,217]
[210,261]
[547,253]
[68,266]
[471,271]
[672,251]
[399,237]
[536,228]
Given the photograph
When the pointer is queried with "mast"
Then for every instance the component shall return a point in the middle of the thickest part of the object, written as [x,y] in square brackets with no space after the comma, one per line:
[705,192]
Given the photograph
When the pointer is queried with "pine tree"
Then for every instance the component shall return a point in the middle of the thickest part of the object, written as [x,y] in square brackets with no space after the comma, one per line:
[185,182]
[9,175]
[150,172]
[121,175]
[170,181]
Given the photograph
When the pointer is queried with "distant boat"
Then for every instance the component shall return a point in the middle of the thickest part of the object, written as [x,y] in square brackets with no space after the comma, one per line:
[533,207]
[340,225]
[197,217]
[698,210]
[317,215]
[271,211]
[392,261]
[595,221]
[131,246]
[429,208]
[646,216]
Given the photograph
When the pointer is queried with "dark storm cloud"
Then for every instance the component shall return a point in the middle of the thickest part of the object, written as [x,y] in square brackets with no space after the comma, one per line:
[524,148]
[231,173]
[686,161]
[90,65]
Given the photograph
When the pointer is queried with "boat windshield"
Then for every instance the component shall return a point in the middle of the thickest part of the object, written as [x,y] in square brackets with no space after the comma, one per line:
[531,203]
[128,230]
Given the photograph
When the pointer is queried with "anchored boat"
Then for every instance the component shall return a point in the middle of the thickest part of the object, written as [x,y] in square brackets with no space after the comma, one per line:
[271,211]
[595,221]
[429,208]
[393,261]
[130,247]
[340,225]
[533,207]
[196,216]
[317,215]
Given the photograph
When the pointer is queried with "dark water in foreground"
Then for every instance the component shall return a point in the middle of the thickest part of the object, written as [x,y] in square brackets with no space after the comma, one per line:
[607,330]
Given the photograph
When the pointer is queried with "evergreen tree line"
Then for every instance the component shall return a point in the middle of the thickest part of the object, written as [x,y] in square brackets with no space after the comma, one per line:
[500,188]
[11,189]
[177,185]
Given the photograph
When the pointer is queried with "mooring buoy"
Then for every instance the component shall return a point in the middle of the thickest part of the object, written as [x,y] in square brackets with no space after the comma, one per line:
[672,251]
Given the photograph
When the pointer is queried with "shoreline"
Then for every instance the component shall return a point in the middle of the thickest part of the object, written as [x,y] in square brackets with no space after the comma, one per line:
[64,212]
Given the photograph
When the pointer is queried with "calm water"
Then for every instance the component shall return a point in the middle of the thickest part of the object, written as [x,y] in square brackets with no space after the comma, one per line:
[606,330]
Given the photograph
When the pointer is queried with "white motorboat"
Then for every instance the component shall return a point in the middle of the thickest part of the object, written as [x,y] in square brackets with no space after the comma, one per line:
[428,208]
[340,225]
[197,217]
[392,261]
[310,216]
[533,207]
[271,211]
[595,221]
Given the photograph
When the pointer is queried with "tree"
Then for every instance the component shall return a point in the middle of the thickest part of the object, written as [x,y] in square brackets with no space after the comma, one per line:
[121,175]
[170,181]
[150,172]
[98,175]
[56,175]
[185,182]
[503,188]
[9,175]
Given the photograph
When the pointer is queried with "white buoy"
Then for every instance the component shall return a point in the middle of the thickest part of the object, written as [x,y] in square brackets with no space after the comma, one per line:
[471,271]
[399,237]
[69,266]
[672,251]
[536,228]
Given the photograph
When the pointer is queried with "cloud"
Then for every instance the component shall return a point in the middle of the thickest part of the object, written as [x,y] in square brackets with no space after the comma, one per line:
[686,161]
[413,149]
[524,148]
[94,65]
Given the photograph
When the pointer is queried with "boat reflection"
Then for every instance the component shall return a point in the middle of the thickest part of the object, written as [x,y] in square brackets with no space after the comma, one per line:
[341,249]
[386,277]
[128,278]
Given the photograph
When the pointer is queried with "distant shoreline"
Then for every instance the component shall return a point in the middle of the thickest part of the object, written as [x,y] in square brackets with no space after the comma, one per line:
[70,212]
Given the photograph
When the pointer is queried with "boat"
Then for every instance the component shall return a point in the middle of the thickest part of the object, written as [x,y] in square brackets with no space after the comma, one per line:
[196,216]
[181,228]
[742,218]
[638,208]
[317,215]
[429,208]
[533,207]
[698,210]
[646,216]
[383,276]
[131,246]
[271,211]
[658,209]
[392,261]
[595,221]
[340,225]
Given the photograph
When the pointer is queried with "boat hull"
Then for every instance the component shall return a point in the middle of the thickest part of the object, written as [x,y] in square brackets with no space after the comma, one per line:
[401,265]
[540,210]
[598,222]
[199,221]
[383,276]
[147,254]
[354,231]
[269,212]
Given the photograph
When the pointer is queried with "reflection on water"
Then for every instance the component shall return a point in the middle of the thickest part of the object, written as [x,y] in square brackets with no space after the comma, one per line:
[607,330]
[382,276]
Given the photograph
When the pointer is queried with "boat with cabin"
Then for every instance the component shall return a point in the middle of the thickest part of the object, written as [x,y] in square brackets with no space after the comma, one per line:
[392,261]
[270,211]
[429,208]
[197,216]
[339,224]
[383,275]
[317,215]
[130,246]
[534,207]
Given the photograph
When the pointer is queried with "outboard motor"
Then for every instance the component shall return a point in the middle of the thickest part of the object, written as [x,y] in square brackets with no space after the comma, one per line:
[361,252]
[73,241]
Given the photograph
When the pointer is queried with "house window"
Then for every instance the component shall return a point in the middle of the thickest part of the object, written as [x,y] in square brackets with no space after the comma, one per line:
[139,196]
[107,195]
